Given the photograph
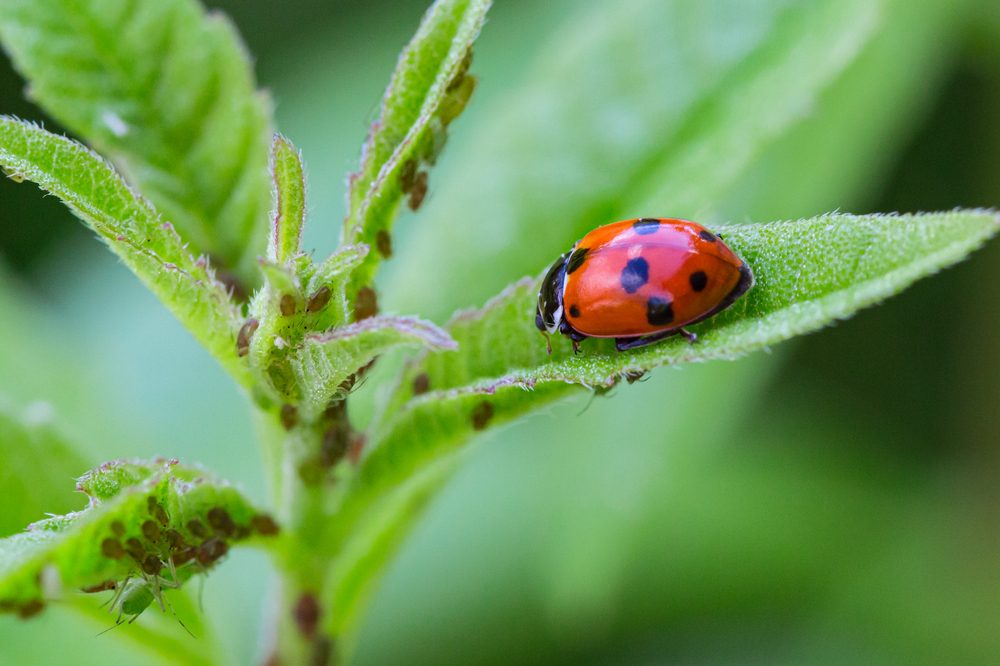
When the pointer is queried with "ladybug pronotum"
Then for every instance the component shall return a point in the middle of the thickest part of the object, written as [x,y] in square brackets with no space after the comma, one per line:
[640,281]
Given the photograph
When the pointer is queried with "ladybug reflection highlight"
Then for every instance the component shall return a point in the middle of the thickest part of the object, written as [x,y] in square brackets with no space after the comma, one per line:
[640,281]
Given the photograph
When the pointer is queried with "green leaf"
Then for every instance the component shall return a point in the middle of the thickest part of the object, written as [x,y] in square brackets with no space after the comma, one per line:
[132,229]
[289,201]
[694,92]
[326,360]
[809,273]
[36,460]
[155,523]
[167,92]
[428,90]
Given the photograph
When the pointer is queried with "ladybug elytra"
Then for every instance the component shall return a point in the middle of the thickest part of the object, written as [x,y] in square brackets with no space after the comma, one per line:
[640,281]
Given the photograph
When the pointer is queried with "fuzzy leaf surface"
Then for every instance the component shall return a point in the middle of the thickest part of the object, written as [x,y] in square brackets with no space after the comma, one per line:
[289,200]
[428,90]
[132,229]
[167,92]
[326,360]
[127,500]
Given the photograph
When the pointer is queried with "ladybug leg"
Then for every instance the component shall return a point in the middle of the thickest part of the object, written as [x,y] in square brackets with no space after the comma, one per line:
[687,335]
[577,338]
[624,344]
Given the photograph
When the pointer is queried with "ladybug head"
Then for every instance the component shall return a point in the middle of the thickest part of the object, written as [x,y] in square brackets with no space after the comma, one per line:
[549,313]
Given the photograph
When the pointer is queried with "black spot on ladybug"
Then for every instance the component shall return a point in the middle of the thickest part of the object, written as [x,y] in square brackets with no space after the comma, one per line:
[705,234]
[646,226]
[635,274]
[481,415]
[659,311]
[574,311]
[576,259]
[698,280]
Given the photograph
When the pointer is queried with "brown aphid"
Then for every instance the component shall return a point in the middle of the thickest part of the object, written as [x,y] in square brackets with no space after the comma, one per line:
[221,521]
[118,529]
[319,300]
[30,609]
[264,525]
[306,614]
[365,304]
[289,416]
[312,471]
[287,305]
[481,415]
[152,565]
[100,587]
[407,175]
[421,384]
[151,531]
[134,548]
[244,336]
[112,548]
[419,191]
[196,528]
[184,555]
[157,511]
[211,551]
[383,243]
[174,539]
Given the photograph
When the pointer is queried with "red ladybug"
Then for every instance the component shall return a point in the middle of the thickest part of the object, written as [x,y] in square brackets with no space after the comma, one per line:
[640,281]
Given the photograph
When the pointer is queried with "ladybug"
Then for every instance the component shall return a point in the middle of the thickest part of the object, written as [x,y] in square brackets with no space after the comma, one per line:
[640,281]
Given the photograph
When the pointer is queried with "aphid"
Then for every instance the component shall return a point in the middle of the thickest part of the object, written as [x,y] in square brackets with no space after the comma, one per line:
[418,191]
[100,587]
[640,281]
[264,525]
[383,243]
[306,614]
[118,529]
[157,511]
[134,548]
[151,531]
[211,551]
[112,548]
[365,304]
[289,416]
[221,521]
[287,305]
[318,300]
[197,528]
[421,384]
[245,334]
[481,415]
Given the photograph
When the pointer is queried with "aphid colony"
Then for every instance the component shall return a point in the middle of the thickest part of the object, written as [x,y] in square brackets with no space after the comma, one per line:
[165,557]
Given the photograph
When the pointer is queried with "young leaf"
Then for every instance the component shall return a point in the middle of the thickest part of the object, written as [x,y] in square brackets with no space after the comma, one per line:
[35,462]
[327,360]
[809,273]
[428,90]
[146,522]
[129,225]
[289,201]
[167,92]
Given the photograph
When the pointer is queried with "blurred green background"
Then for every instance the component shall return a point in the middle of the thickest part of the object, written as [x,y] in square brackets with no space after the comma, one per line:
[835,500]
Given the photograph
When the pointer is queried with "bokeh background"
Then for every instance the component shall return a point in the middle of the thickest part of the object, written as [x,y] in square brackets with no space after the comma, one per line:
[834,500]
